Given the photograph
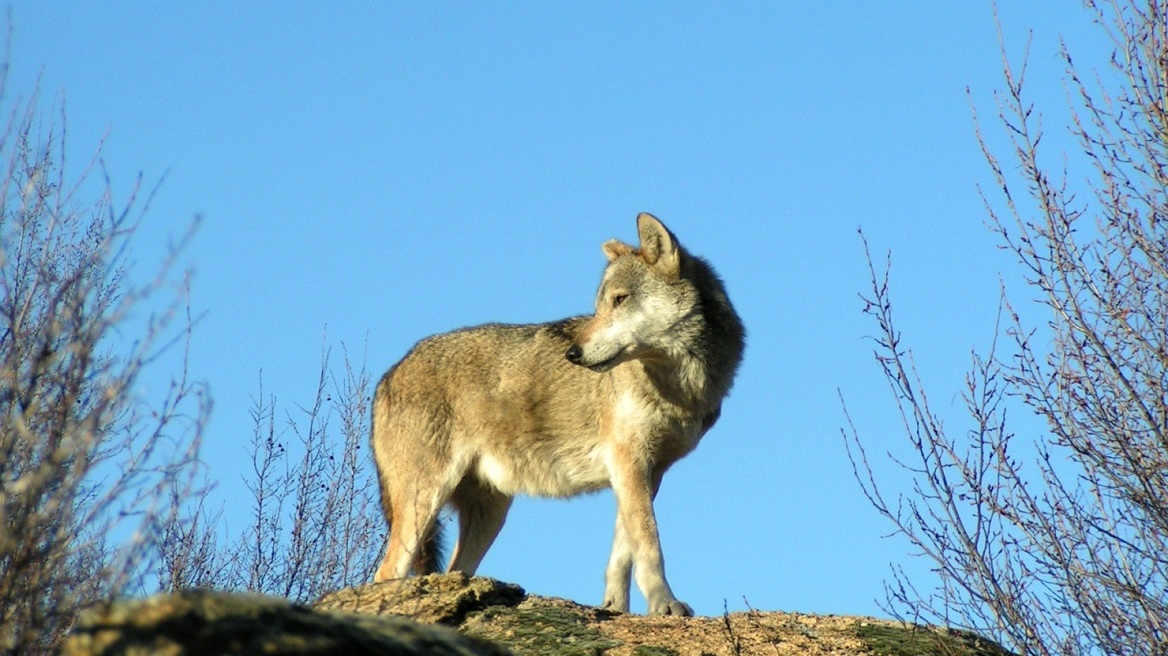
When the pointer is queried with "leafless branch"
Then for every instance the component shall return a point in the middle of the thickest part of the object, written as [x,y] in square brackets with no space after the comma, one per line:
[1059,544]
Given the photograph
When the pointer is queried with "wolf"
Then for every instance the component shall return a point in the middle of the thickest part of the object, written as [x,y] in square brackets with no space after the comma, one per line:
[474,417]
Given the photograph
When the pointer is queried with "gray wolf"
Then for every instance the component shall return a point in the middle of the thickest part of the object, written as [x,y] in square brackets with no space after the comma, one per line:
[473,417]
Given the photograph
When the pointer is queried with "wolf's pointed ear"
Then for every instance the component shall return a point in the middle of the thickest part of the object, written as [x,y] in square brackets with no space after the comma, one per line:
[658,246]
[614,248]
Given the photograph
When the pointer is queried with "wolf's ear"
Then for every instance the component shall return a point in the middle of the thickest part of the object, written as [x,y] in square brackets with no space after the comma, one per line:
[614,248]
[658,247]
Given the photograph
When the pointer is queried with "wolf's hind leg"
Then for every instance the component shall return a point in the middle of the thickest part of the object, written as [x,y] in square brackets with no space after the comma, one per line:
[481,512]
[398,558]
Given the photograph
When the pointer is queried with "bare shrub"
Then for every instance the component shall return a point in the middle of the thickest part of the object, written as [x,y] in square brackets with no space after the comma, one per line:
[315,520]
[88,469]
[101,488]
[1057,544]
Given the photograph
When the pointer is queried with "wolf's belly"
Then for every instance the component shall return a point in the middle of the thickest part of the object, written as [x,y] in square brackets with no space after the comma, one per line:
[545,472]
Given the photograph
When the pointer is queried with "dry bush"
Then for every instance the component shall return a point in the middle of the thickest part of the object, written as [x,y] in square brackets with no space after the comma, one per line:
[87,468]
[315,522]
[102,493]
[1056,544]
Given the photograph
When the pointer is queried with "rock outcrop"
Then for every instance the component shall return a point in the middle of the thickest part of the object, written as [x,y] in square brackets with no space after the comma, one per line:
[456,614]
[529,625]
[211,623]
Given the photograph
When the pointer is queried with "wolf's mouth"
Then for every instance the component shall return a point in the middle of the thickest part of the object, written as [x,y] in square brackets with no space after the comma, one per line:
[607,365]
[575,355]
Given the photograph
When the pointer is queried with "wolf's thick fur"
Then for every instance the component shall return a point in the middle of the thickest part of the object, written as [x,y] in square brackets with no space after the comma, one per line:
[473,417]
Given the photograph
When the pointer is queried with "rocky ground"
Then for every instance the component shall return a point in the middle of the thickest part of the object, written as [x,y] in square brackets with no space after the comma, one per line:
[456,614]
[529,624]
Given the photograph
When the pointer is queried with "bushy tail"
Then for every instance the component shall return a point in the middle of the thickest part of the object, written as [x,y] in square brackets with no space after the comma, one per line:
[431,550]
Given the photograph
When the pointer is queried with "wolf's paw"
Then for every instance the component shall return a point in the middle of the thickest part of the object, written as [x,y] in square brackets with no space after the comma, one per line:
[616,604]
[671,607]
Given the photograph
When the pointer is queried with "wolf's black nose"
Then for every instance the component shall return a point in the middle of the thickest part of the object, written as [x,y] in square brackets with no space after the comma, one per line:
[574,354]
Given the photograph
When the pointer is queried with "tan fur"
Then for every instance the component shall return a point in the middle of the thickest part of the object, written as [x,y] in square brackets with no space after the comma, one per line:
[474,417]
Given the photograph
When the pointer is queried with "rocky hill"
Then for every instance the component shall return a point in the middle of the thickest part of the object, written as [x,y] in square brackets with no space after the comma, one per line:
[455,614]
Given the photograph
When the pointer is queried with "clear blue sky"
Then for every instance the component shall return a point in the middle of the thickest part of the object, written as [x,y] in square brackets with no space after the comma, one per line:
[394,170]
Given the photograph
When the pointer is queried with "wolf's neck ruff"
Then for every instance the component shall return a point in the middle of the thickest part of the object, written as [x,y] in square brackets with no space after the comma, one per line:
[703,368]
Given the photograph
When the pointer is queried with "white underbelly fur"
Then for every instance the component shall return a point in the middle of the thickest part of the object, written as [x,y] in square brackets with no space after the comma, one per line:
[545,474]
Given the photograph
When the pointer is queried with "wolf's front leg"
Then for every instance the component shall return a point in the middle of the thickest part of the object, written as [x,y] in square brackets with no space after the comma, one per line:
[619,572]
[634,499]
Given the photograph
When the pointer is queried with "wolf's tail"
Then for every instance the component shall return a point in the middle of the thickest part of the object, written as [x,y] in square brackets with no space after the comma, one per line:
[431,550]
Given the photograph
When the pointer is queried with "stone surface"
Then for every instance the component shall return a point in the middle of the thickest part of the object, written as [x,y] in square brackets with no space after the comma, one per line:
[219,623]
[456,615]
[530,625]
[434,599]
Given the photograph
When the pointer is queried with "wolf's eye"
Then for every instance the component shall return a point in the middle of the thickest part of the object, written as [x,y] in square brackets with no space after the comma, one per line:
[618,299]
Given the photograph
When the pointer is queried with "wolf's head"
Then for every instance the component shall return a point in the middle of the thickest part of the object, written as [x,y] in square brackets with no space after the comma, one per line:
[646,307]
